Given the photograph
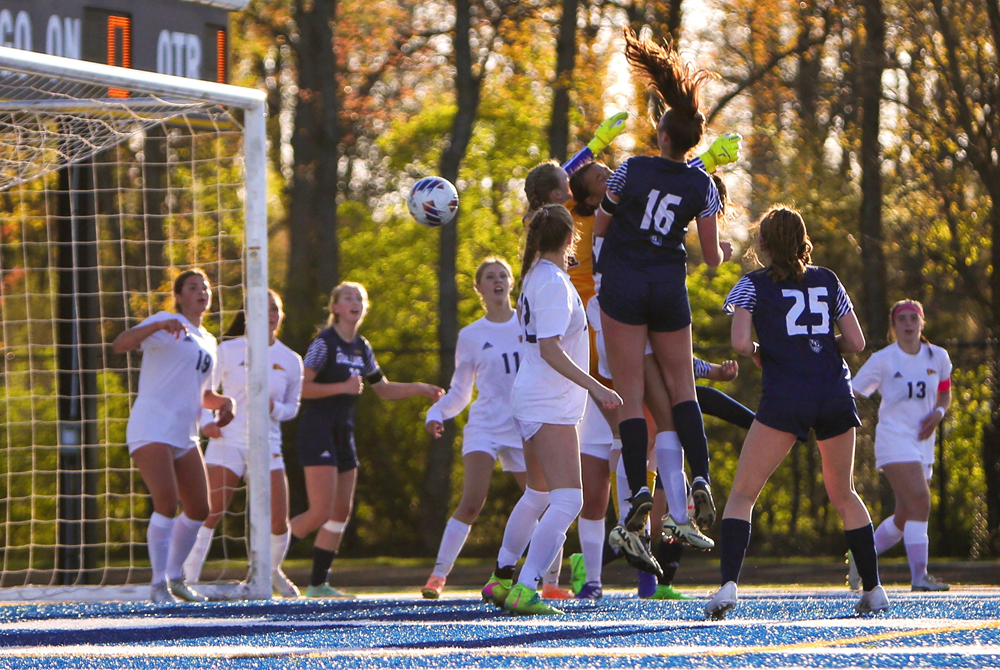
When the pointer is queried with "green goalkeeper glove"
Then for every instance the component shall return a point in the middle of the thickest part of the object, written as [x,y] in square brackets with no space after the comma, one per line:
[607,132]
[724,150]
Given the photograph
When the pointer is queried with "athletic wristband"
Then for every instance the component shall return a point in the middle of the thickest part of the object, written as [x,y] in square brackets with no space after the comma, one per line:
[939,410]
[608,206]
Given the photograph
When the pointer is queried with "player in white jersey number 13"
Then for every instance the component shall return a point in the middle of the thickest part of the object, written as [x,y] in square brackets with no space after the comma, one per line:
[177,363]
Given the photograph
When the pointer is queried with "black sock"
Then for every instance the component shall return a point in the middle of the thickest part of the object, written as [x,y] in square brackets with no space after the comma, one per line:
[506,572]
[634,435]
[734,541]
[322,559]
[609,554]
[668,555]
[861,542]
[714,402]
[691,432]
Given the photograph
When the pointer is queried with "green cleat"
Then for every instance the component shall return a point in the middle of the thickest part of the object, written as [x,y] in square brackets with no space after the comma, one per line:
[668,592]
[577,573]
[496,590]
[522,600]
[327,591]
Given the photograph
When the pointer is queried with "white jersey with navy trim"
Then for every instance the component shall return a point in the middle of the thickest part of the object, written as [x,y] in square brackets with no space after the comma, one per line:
[487,358]
[173,377]
[909,386]
[284,383]
[550,306]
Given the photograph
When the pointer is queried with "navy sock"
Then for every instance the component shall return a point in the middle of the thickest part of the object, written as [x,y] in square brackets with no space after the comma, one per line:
[714,402]
[506,572]
[861,542]
[734,542]
[634,436]
[322,559]
[691,432]
[669,557]
[610,554]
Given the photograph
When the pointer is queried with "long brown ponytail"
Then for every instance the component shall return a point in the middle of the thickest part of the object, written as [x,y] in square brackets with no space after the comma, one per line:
[547,231]
[783,237]
[678,85]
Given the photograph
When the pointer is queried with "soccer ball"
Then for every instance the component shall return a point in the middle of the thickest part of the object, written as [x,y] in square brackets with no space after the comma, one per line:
[433,201]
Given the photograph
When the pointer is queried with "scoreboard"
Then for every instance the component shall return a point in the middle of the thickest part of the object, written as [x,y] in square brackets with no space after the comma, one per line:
[187,38]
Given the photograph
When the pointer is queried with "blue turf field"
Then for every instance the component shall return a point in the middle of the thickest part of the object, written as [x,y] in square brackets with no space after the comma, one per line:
[805,629]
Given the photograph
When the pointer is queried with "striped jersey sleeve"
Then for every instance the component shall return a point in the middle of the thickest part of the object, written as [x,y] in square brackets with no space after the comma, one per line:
[616,182]
[713,203]
[742,295]
[843,305]
[701,368]
[316,355]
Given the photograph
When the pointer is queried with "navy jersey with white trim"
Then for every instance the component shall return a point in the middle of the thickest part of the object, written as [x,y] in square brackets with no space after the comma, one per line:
[794,322]
[335,360]
[657,199]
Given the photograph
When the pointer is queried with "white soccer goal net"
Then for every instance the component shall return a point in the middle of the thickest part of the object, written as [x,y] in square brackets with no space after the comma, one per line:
[111,183]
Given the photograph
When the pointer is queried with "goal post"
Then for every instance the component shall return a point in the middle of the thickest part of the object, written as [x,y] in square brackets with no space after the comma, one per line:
[93,226]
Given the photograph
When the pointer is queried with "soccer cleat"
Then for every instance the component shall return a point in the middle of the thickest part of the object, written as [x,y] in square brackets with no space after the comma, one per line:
[496,590]
[555,592]
[873,602]
[577,572]
[635,549]
[181,590]
[327,591]
[723,601]
[433,588]
[853,576]
[522,600]
[160,593]
[668,592]
[282,585]
[591,591]
[687,532]
[929,583]
[704,504]
[641,502]
[647,584]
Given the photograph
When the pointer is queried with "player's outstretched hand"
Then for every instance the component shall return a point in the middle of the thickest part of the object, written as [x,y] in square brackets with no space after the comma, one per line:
[226,412]
[606,398]
[212,430]
[724,150]
[727,250]
[606,133]
[729,370]
[434,428]
[174,327]
[431,391]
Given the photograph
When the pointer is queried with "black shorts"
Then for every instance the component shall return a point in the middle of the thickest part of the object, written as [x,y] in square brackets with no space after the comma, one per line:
[662,307]
[322,441]
[829,417]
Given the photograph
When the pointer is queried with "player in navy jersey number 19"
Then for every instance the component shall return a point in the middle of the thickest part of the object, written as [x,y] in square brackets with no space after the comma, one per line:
[643,218]
[547,400]
[794,306]
[178,356]
[487,357]
[337,365]
[913,377]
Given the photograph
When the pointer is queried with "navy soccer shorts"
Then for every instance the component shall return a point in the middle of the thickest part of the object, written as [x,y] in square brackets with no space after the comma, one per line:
[322,441]
[661,306]
[829,417]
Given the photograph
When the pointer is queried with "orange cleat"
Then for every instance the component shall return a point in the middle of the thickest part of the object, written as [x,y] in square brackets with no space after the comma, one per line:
[433,588]
[555,592]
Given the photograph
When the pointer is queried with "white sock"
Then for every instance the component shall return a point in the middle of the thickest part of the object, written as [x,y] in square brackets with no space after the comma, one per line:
[520,526]
[670,457]
[158,544]
[455,534]
[592,545]
[279,547]
[915,539]
[552,574]
[199,552]
[624,492]
[887,535]
[550,534]
[181,540]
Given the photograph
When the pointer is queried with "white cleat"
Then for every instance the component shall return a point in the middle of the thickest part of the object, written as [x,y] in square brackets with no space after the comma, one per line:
[687,532]
[635,548]
[159,593]
[873,602]
[282,585]
[724,600]
[181,590]
[929,583]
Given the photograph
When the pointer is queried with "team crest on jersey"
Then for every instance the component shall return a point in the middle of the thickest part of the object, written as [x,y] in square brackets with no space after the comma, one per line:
[816,346]
[931,371]
[898,375]
[277,367]
[487,346]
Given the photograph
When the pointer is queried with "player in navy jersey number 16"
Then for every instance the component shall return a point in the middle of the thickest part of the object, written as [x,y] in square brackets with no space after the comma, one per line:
[793,306]
[643,218]
[337,365]
[913,377]
[178,357]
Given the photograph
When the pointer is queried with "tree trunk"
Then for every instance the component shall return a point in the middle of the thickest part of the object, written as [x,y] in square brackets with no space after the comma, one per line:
[875,300]
[565,61]
[440,456]
[314,262]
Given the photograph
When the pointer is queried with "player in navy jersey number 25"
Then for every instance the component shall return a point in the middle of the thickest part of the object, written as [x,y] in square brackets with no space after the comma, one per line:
[793,306]
[643,218]
[337,365]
